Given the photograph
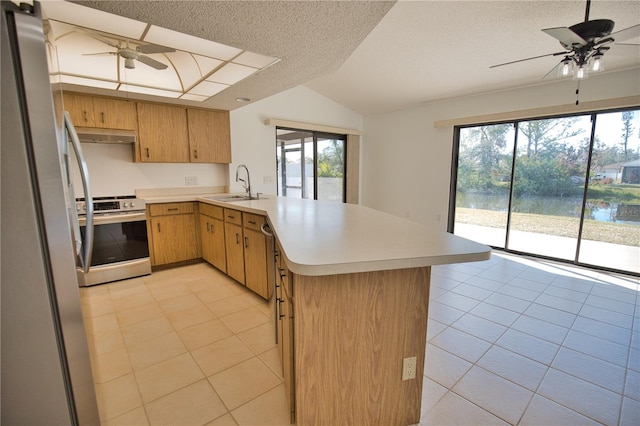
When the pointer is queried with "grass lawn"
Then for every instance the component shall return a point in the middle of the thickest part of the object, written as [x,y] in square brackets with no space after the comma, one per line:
[562,226]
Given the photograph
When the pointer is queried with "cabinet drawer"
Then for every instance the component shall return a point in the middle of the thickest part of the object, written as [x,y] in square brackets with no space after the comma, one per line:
[212,211]
[170,208]
[252,221]
[233,216]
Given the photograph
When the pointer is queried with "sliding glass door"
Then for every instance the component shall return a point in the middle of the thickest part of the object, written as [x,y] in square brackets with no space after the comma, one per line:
[566,188]
[548,186]
[611,227]
[310,164]
[483,186]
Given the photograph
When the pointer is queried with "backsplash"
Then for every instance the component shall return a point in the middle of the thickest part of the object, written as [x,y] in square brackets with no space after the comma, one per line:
[112,172]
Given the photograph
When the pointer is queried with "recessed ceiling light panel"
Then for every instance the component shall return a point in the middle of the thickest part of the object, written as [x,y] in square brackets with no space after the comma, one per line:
[231,73]
[189,43]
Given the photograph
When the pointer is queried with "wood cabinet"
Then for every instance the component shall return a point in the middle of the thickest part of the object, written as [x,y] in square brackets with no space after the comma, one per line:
[234,244]
[257,254]
[284,324]
[172,231]
[212,235]
[162,133]
[209,136]
[166,133]
[106,113]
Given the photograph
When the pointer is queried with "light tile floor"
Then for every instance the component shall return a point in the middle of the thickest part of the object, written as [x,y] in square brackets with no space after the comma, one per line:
[510,341]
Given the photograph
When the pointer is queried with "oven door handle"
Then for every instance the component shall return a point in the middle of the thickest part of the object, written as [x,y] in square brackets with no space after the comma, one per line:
[104,219]
[87,246]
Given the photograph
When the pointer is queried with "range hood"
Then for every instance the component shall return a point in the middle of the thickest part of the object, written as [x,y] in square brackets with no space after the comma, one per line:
[93,135]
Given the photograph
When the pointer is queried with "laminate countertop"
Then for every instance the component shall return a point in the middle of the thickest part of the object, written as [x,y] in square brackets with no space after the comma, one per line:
[327,238]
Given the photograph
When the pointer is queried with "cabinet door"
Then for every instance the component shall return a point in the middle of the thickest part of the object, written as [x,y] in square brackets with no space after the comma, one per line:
[174,238]
[80,109]
[235,251]
[205,238]
[209,136]
[162,132]
[213,243]
[255,262]
[219,255]
[115,114]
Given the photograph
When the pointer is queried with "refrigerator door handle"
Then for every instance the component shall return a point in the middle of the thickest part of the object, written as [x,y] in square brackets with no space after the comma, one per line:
[84,172]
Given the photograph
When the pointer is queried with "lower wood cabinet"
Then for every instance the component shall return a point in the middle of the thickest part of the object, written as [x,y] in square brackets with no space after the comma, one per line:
[212,236]
[285,328]
[172,233]
[235,251]
[257,255]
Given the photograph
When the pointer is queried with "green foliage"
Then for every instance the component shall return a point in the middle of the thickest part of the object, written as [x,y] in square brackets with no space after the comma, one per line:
[537,176]
[331,161]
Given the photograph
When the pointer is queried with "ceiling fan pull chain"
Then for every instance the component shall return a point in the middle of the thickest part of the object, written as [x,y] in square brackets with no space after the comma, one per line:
[578,93]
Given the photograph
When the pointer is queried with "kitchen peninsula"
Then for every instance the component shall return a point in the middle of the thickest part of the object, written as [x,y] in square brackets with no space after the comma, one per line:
[352,306]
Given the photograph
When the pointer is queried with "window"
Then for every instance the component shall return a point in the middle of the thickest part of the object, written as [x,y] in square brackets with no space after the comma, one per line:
[566,188]
[311,164]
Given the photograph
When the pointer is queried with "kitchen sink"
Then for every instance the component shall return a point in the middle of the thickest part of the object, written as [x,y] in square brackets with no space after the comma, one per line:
[226,198]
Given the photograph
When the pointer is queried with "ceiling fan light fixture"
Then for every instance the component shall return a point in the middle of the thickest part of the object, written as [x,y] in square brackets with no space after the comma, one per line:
[565,68]
[129,63]
[596,64]
[580,72]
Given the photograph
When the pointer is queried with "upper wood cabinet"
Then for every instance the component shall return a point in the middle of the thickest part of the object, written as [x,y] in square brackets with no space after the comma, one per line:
[106,113]
[166,133]
[162,133]
[209,136]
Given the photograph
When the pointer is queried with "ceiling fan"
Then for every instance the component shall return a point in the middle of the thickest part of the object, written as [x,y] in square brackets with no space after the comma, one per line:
[585,44]
[131,55]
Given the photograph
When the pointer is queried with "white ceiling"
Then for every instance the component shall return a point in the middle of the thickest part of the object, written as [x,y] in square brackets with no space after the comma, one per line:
[375,56]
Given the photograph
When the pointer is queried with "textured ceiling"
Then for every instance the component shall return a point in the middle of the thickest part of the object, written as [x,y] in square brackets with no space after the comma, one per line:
[429,50]
[312,38]
[375,56]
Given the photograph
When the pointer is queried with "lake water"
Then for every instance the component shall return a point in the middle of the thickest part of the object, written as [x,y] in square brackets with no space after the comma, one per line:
[555,206]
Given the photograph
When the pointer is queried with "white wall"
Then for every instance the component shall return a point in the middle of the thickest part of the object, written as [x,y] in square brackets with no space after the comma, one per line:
[113,172]
[253,143]
[406,161]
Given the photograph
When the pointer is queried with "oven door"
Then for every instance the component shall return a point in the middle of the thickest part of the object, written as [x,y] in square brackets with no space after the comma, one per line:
[120,248]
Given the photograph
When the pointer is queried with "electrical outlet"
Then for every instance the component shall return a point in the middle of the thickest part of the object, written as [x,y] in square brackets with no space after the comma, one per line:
[267,179]
[191,180]
[409,368]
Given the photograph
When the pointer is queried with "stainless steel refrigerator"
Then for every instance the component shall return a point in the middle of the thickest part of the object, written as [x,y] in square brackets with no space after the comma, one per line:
[46,372]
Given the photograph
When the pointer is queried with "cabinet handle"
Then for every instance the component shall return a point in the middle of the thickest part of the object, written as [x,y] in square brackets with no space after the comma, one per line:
[280,308]
[212,227]
[252,222]
[158,227]
[174,209]
[102,117]
[230,217]
[237,238]
[246,242]
[147,151]
[86,118]
[195,153]
[208,227]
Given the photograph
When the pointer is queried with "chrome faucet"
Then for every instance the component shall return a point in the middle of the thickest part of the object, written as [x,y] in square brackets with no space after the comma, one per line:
[246,183]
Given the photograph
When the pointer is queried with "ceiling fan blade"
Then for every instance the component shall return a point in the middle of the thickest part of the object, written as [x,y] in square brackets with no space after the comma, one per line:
[99,54]
[154,48]
[627,33]
[152,62]
[624,49]
[565,36]
[101,38]
[528,59]
[552,70]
